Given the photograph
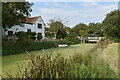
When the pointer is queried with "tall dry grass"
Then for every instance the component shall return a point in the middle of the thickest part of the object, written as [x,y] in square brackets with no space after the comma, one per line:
[89,65]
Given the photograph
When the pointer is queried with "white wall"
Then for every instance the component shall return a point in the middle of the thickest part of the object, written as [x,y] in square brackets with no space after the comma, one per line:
[33,27]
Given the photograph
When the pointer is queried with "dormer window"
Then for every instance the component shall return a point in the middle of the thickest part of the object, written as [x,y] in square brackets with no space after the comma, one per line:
[40,26]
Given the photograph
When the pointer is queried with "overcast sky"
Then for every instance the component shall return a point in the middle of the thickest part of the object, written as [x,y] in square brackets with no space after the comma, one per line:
[74,12]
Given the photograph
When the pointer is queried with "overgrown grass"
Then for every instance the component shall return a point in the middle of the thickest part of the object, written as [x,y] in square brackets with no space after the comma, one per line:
[9,62]
[89,65]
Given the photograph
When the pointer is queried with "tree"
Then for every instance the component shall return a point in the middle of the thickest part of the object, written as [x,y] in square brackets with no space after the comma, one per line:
[14,12]
[111,24]
[95,29]
[82,33]
[79,28]
[55,26]
[61,34]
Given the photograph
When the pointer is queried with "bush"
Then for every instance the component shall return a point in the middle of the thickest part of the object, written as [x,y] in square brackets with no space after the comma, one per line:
[25,36]
[68,41]
[31,35]
[61,34]
[14,48]
[49,34]
[39,37]
[65,42]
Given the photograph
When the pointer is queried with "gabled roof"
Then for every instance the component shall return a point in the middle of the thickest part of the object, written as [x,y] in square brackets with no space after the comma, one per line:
[31,20]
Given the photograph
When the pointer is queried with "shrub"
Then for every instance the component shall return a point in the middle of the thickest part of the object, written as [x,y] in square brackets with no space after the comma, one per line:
[39,37]
[61,34]
[25,36]
[31,35]
[68,41]
[49,34]
[14,48]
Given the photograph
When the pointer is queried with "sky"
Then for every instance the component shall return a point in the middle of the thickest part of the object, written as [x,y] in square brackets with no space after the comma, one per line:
[73,13]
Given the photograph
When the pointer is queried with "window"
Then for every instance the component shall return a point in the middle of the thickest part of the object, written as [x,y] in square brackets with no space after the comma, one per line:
[40,26]
[10,33]
[28,30]
[39,33]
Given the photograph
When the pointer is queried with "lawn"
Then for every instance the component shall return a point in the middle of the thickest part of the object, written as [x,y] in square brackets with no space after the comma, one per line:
[10,62]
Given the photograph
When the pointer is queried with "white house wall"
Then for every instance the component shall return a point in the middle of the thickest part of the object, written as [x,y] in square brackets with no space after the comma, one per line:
[33,27]
[40,21]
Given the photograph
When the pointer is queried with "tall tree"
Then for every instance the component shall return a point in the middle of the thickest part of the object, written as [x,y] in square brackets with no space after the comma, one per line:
[95,29]
[13,12]
[111,24]
[55,25]
[79,28]
[61,34]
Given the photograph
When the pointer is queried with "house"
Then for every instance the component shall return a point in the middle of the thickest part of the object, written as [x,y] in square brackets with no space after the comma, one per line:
[31,24]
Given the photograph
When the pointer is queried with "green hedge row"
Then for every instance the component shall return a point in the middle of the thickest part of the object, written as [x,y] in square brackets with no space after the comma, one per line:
[9,48]
[68,41]
[12,47]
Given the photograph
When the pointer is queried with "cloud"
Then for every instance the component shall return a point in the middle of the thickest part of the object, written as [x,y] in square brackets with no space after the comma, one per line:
[86,12]
[58,12]
[72,0]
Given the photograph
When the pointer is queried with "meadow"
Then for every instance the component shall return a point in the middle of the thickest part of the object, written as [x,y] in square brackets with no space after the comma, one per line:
[86,62]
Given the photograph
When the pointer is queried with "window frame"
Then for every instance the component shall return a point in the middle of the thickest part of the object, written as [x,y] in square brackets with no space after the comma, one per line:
[28,30]
[9,33]
[39,33]
[39,26]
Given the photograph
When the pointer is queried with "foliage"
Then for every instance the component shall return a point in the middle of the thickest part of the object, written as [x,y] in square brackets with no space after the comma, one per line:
[111,24]
[25,36]
[96,29]
[68,41]
[16,48]
[13,12]
[82,33]
[39,37]
[65,42]
[78,28]
[55,25]
[89,65]
[61,34]
[49,34]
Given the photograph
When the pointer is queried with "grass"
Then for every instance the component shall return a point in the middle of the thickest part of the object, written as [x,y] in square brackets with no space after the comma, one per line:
[110,55]
[9,62]
[84,62]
